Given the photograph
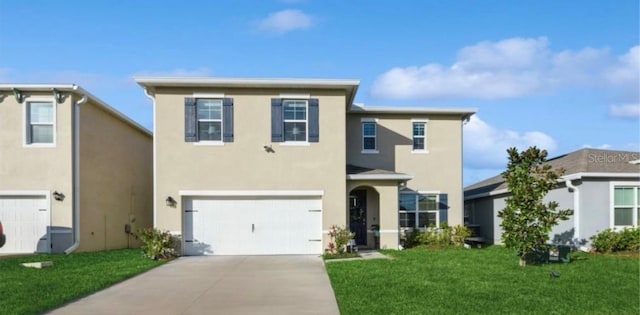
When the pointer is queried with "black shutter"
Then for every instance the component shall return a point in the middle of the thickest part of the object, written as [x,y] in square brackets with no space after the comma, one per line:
[444,207]
[314,124]
[227,120]
[28,133]
[276,120]
[190,120]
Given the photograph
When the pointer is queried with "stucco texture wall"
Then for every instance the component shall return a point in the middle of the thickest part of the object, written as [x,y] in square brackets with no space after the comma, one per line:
[25,167]
[439,169]
[116,180]
[244,164]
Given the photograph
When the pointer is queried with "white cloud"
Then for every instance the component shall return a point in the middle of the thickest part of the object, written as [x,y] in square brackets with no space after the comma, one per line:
[285,21]
[508,54]
[509,68]
[625,110]
[626,70]
[485,147]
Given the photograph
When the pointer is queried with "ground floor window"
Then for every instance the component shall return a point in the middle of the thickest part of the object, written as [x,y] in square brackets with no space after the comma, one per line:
[625,209]
[419,210]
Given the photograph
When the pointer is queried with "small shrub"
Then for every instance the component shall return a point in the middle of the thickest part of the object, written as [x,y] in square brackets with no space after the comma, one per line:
[411,238]
[157,244]
[340,236]
[459,234]
[609,240]
[444,236]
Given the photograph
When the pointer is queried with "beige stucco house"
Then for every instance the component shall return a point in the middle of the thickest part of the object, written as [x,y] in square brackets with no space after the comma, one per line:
[74,172]
[267,166]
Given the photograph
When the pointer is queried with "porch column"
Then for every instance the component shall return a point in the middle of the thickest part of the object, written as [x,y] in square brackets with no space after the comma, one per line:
[389,229]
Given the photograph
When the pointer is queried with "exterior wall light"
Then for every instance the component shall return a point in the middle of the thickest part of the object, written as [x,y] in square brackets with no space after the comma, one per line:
[58,196]
[171,202]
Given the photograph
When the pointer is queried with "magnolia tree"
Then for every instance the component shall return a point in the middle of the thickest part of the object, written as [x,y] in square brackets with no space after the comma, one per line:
[526,220]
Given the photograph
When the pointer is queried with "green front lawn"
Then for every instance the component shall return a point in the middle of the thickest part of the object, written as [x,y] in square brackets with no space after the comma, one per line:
[485,281]
[29,290]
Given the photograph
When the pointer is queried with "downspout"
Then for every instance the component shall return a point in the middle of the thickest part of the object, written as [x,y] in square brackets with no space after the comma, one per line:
[576,208]
[153,100]
[75,144]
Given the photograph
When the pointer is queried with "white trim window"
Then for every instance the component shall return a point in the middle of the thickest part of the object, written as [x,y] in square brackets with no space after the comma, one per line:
[624,206]
[369,137]
[294,116]
[418,210]
[209,119]
[419,132]
[40,123]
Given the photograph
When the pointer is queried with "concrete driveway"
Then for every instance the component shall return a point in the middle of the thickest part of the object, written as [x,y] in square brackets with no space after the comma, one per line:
[219,285]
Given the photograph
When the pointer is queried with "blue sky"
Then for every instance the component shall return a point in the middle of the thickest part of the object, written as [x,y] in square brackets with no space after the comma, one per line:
[558,74]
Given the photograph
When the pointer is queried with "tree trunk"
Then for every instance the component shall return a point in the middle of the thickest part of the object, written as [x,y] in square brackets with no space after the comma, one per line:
[522,262]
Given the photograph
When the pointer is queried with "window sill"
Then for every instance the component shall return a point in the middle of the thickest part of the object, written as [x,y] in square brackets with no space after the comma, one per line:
[295,144]
[39,145]
[209,143]
[420,152]
[369,151]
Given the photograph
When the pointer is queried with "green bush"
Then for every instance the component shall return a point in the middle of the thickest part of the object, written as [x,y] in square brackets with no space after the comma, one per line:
[444,236]
[614,241]
[411,238]
[157,244]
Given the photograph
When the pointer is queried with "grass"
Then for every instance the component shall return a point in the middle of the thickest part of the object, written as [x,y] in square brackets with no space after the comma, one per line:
[485,281]
[29,290]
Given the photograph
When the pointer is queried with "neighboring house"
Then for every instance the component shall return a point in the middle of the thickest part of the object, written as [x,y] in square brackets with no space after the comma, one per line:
[267,166]
[73,171]
[601,186]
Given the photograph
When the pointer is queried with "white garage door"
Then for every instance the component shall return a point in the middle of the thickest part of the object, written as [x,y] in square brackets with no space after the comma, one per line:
[25,220]
[252,226]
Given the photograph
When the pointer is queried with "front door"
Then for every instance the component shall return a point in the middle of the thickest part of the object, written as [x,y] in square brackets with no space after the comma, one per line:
[358,215]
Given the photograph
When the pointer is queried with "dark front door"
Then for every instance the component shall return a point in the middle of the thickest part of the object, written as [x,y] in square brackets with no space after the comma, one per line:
[358,215]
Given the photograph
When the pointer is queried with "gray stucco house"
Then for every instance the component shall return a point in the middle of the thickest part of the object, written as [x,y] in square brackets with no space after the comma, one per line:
[602,186]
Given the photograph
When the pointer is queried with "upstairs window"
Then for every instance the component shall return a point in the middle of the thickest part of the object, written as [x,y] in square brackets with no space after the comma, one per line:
[40,123]
[369,137]
[208,120]
[418,136]
[294,114]
[295,120]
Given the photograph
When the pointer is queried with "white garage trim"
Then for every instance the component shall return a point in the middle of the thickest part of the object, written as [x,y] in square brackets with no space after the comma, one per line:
[240,193]
[44,193]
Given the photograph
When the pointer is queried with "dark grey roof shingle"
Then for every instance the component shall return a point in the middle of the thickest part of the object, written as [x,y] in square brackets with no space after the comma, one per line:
[582,161]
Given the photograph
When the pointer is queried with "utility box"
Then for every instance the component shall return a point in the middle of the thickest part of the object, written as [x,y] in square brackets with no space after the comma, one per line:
[558,253]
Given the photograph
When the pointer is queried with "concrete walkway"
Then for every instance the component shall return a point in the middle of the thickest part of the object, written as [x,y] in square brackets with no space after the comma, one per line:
[219,285]
[364,254]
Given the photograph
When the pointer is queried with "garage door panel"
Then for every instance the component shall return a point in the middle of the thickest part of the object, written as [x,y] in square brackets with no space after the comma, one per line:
[25,220]
[255,226]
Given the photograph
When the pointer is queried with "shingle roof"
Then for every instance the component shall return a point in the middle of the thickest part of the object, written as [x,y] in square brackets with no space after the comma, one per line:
[581,161]
[359,170]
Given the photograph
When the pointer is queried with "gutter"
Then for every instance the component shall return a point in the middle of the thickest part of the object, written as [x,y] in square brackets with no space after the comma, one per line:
[576,207]
[75,144]
[150,95]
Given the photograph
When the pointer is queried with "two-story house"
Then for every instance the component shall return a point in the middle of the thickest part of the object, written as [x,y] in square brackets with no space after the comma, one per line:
[75,174]
[267,166]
